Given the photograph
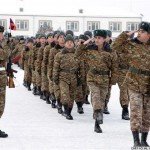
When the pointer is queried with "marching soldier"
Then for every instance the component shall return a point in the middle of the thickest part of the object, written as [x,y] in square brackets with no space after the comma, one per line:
[4,54]
[138,80]
[102,65]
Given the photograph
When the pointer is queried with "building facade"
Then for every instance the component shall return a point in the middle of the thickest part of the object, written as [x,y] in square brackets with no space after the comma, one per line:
[28,25]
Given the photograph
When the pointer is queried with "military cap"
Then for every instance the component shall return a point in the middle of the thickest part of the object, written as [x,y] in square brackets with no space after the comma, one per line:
[21,38]
[29,40]
[1,29]
[70,32]
[83,37]
[145,26]
[88,34]
[61,33]
[37,35]
[42,35]
[56,32]
[76,38]
[50,34]
[109,33]
[69,37]
[102,33]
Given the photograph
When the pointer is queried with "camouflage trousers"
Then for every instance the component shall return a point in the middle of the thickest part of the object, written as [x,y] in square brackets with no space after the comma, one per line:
[98,95]
[27,74]
[139,112]
[67,93]
[3,83]
[44,83]
[109,93]
[80,97]
[38,79]
[50,86]
[33,77]
[124,95]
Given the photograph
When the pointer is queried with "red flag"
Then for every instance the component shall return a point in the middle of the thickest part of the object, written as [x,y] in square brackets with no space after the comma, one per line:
[12,26]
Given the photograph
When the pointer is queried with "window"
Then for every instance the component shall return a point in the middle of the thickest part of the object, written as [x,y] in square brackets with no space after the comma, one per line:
[72,25]
[93,25]
[115,26]
[45,23]
[22,25]
[132,26]
[3,23]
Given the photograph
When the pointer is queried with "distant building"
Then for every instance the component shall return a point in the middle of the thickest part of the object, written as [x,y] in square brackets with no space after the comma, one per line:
[28,25]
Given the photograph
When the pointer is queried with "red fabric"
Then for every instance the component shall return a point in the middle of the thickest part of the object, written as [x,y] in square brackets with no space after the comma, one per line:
[12,26]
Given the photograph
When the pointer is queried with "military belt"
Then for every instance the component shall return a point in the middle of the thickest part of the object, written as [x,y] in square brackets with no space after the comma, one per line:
[73,71]
[139,71]
[2,68]
[123,67]
[100,72]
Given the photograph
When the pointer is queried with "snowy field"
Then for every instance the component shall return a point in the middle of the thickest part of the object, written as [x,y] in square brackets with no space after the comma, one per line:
[34,125]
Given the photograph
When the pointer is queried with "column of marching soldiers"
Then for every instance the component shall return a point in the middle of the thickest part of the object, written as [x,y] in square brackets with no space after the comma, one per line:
[64,69]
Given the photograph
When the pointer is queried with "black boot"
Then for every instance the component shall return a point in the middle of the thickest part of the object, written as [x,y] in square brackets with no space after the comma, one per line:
[43,95]
[136,139]
[24,83]
[59,106]
[98,115]
[105,111]
[80,108]
[125,112]
[3,134]
[97,127]
[86,100]
[34,90]
[69,117]
[38,91]
[29,86]
[143,139]
[64,113]
[48,98]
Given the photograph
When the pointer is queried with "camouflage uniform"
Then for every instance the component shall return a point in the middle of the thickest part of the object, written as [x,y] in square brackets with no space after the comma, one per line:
[4,54]
[25,55]
[52,54]
[138,82]
[17,52]
[100,64]
[65,74]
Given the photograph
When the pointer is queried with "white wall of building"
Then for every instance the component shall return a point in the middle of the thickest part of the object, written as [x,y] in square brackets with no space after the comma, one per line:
[59,22]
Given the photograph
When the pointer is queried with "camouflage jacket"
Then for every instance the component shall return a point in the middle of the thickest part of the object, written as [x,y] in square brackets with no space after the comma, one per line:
[102,64]
[67,67]
[138,75]
[51,57]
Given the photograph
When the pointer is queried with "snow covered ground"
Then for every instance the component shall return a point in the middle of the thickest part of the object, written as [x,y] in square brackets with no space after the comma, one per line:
[34,125]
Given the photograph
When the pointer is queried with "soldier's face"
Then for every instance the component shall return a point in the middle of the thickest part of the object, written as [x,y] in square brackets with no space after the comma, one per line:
[42,40]
[143,36]
[30,44]
[1,36]
[50,39]
[61,39]
[69,44]
[99,40]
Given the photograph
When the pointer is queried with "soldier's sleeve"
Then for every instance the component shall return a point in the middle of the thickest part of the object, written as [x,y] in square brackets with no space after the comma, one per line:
[4,53]
[114,68]
[50,64]
[120,42]
[45,60]
[23,58]
[15,50]
[56,68]
[82,53]
[39,60]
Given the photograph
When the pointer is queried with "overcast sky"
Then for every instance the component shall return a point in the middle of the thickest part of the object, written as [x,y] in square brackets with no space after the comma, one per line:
[51,6]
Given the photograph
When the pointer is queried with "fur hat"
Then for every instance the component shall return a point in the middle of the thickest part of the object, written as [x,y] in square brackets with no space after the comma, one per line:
[1,29]
[145,26]
[70,32]
[102,33]
[88,34]
[69,37]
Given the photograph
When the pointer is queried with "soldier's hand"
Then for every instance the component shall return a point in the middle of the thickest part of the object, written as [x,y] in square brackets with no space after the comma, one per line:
[131,33]
[81,41]
[88,41]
